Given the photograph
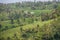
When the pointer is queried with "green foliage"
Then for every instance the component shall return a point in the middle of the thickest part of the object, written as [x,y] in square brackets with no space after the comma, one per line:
[22,21]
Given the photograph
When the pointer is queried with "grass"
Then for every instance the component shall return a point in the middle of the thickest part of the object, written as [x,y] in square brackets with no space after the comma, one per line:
[38,12]
[10,32]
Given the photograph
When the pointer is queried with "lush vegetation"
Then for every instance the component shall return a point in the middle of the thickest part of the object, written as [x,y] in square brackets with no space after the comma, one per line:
[30,21]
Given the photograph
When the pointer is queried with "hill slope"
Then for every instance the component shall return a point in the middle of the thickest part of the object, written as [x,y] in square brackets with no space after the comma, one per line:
[36,29]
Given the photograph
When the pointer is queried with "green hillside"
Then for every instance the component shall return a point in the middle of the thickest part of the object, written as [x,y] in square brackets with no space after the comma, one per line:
[47,26]
[30,21]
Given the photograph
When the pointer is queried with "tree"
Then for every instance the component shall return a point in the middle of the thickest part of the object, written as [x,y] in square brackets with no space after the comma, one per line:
[56,36]
[8,38]
[44,37]
[0,26]
[38,25]
[12,21]
[33,8]
[6,27]
[55,6]
[11,17]
[21,29]
[15,37]
[18,21]
[25,36]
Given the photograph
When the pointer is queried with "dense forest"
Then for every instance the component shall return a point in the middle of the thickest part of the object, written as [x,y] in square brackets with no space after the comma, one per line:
[30,20]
